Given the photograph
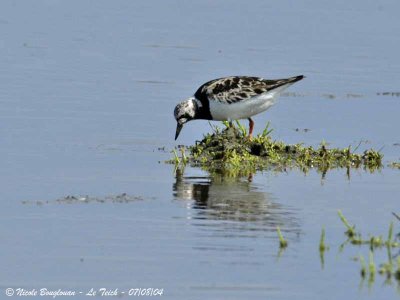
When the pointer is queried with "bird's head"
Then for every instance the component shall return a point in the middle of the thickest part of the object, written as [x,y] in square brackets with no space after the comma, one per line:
[185,112]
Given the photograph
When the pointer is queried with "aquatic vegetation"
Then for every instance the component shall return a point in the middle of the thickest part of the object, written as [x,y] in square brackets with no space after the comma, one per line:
[363,271]
[372,268]
[390,234]
[282,242]
[350,229]
[322,246]
[176,157]
[356,238]
[230,151]
[397,273]
[387,268]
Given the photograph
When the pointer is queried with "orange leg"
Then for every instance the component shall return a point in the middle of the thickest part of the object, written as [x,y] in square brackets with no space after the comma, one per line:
[251,126]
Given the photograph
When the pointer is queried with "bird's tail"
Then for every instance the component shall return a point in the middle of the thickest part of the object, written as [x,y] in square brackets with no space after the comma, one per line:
[277,86]
[289,80]
[296,78]
[283,83]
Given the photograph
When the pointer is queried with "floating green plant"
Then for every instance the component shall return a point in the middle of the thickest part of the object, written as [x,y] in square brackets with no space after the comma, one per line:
[371,266]
[322,246]
[397,272]
[363,271]
[231,151]
[282,242]
[350,229]
[374,241]
[390,235]
[386,268]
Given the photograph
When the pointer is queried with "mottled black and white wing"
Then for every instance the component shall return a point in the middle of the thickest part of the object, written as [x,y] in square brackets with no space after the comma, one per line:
[239,88]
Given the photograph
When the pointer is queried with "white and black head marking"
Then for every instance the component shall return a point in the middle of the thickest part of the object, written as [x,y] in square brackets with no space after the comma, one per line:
[185,112]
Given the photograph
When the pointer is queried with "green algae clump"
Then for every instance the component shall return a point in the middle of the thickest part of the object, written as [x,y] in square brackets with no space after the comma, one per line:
[230,150]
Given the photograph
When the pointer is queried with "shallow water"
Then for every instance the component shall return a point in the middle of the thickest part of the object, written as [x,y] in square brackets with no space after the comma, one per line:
[87,91]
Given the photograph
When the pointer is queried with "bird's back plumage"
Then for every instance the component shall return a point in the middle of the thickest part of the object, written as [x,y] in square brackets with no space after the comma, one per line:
[235,89]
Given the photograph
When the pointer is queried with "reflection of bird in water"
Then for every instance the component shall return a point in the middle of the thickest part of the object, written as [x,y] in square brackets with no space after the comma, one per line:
[233,199]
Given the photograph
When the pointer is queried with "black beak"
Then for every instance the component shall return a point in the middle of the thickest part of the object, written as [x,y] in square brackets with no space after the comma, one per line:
[178,130]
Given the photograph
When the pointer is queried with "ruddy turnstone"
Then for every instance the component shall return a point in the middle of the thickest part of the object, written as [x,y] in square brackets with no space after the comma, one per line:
[231,98]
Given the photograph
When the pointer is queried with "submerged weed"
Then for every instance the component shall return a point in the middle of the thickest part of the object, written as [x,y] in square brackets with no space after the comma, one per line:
[322,245]
[350,229]
[397,273]
[374,242]
[390,235]
[372,268]
[282,242]
[363,271]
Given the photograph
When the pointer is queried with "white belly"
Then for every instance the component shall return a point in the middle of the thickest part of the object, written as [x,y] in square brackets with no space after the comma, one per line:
[241,110]
[245,109]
